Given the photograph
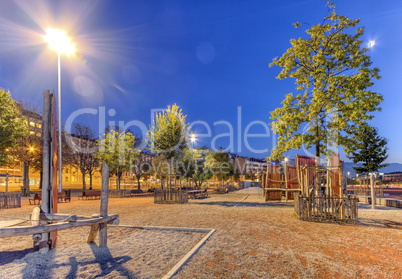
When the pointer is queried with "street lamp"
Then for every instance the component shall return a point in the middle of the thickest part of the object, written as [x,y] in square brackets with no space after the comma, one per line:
[193,138]
[60,42]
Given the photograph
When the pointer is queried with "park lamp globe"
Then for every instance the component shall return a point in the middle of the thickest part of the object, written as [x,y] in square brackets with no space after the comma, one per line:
[59,41]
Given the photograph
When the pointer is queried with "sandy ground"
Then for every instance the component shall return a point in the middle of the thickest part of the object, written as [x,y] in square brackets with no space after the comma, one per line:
[253,239]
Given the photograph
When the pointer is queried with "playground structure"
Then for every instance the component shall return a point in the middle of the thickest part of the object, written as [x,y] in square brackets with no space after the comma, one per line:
[44,220]
[318,191]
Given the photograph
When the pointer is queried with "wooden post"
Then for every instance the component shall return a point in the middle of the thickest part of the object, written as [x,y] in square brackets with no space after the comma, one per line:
[35,216]
[45,205]
[104,205]
[372,181]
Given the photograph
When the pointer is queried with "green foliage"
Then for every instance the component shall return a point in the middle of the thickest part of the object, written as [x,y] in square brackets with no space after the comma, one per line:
[168,135]
[219,164]
[118,150]
[370,149]
[332,73]
[12,125]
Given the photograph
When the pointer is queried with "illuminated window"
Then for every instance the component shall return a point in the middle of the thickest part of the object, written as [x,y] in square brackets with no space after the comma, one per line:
[38,134]
[32,124]
[31,132]
[38,125]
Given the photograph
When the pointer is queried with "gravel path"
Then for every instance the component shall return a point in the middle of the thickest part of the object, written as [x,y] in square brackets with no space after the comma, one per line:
[253,239]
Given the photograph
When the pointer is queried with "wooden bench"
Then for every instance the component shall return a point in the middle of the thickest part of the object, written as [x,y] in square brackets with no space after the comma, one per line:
[36,198]
[91,194]
[197,194]
[64,196]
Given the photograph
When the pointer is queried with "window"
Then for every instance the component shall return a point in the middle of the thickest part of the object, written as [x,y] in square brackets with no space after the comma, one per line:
[32,124]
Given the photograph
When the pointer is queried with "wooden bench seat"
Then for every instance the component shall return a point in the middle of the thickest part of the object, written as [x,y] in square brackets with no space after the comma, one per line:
[61,197]
[36,198]
[64,196]
[90,194]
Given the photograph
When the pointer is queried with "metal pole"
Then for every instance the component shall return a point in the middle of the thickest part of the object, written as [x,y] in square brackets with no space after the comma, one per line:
[59,117]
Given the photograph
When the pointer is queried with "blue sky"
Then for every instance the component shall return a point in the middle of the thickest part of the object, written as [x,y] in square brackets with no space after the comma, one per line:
[209,57]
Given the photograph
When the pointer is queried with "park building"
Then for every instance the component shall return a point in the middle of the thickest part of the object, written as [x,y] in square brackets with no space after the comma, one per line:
[392,178]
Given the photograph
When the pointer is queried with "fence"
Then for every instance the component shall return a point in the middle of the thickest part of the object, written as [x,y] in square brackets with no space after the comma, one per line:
[10,200]
[326,208]
[170,196]
[119,193]
[366,191]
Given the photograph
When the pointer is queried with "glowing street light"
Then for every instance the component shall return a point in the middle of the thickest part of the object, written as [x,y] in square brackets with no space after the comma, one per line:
[60,42]
[193,138]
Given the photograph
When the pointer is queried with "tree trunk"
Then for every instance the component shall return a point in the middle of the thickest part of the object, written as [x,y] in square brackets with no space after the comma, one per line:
[26,179]
[118,177]
[40,179]
[90,180]
[138,183]
[84,185]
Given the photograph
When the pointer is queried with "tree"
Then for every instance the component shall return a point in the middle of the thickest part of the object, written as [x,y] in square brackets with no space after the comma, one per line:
[219,164]
[371,150]
[12,125]
[118,150]
[142,168]
[168,135]
[332,73]
[28,150]
[82,149]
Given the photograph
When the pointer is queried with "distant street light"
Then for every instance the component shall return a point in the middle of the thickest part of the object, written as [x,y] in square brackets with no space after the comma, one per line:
[193,139]
[60,42]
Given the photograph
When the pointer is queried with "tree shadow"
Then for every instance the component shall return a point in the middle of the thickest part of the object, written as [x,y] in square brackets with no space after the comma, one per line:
[380,223]
[41,265]
[7,257]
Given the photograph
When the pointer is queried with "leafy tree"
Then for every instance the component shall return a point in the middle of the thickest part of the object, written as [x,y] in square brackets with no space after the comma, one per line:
[28,150]
[118,150]
[12,125]
[186,164]
[142,168]
[168,134]
[219,164]
[332,73]
[370,149]
[82,149]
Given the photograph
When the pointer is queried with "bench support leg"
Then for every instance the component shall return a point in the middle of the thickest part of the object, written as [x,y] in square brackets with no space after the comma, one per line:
[93,232]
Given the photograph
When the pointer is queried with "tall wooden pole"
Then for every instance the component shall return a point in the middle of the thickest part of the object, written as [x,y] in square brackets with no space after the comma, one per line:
[46,184]
[104,205]
[372,181]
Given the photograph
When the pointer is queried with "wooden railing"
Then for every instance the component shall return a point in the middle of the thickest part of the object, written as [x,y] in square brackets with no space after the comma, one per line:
[10,200]
[366,191]
[170,196]
[119,193]
[326,208]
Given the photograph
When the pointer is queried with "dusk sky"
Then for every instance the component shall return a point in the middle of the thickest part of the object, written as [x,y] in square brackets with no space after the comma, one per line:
[209,57]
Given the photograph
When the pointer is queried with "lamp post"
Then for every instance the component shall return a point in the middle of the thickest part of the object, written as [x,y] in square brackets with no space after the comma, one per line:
[60,42]
[192,139]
